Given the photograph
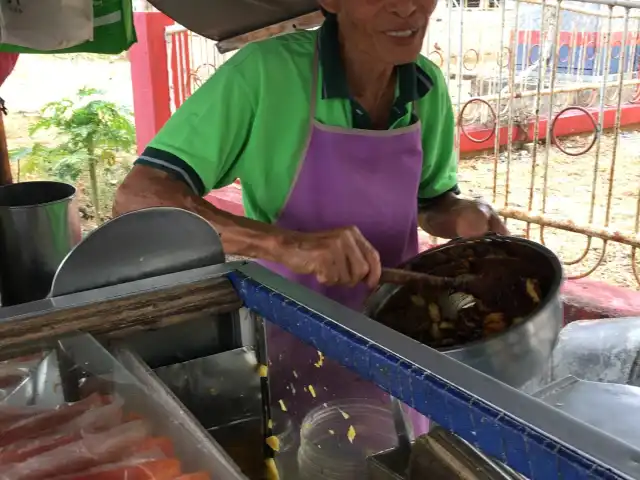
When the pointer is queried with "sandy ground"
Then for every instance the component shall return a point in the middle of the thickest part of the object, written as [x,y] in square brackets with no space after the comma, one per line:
[570,179]
[570,183]
[38,79]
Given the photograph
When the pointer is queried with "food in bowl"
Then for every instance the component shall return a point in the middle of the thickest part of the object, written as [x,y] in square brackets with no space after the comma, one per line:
[514,282]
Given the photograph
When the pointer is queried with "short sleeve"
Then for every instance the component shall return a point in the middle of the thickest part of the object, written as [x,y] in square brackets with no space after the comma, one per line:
[203,140]
[440,166]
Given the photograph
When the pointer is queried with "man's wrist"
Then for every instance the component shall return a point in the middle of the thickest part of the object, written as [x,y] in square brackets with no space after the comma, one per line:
[439,218]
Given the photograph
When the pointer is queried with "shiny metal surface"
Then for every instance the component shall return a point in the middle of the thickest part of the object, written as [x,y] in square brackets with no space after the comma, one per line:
[437,456]
[219,389]
[227,18]
[521,411]
[606,350]
[40,387]
[403,426]
[47,380]
[390,465]
[223,393]
[39,225]
[442,455]
[517,355]
[143,244]
[196,449]
[609,407]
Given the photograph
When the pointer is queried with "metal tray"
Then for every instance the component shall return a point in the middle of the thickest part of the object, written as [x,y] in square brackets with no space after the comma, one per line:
[194,446]
[609,407]
[439,455]
[129,378]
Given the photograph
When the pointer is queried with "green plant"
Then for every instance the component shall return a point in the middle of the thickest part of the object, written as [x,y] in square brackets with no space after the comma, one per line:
[90,133]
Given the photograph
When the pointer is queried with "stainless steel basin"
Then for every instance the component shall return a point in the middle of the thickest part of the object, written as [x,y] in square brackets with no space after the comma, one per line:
[514,356]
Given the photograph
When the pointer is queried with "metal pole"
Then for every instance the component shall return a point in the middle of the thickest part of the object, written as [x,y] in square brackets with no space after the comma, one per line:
[5,166]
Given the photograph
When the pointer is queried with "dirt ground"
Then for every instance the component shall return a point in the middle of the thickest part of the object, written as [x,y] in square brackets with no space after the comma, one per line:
[570,182]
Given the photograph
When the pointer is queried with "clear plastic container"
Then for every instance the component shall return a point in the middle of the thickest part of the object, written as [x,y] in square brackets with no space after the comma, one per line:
[327,449]
[288,438]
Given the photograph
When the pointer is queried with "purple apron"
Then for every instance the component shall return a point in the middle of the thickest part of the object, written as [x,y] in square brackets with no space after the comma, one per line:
[348,177]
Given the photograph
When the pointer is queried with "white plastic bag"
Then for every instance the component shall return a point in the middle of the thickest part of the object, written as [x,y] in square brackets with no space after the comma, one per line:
[46,24]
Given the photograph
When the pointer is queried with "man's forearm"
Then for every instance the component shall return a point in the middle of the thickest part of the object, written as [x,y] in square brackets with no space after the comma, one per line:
[147,187]
[438,218]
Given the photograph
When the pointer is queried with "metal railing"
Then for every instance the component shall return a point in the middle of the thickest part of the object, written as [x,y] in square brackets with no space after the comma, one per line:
[546,95]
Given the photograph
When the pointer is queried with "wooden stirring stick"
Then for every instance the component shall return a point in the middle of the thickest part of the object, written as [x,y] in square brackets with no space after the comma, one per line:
[397,276]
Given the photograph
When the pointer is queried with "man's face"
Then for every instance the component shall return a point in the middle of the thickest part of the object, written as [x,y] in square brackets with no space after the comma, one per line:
[389,30]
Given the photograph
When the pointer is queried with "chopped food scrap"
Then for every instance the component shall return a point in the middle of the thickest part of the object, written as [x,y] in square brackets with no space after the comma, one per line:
[312,391]
[272,471]
[320,361]
[345,415]
[331,432]
[283,407]
[263,371]
[532,290]
[351,433]
[324,405]
[274,443]
[293,389]
[418,301]
[434,312]
[295,374]
[494,323]
[435,331]
[270,424]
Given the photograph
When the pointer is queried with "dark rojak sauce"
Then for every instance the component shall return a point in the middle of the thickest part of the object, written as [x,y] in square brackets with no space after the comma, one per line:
[514,285]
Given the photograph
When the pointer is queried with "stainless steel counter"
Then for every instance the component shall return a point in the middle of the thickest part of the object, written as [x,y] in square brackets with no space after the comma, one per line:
[534,438]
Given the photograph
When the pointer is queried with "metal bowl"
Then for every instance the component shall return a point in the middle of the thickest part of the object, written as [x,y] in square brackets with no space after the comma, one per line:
[516,355]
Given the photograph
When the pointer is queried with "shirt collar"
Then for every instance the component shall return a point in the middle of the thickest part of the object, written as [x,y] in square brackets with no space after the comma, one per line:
[413,82]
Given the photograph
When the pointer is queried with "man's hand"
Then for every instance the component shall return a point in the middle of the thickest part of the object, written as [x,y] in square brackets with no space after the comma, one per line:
[336,257]
[451,216]
[475,218]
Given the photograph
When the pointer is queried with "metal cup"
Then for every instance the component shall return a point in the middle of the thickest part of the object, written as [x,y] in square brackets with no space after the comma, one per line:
[39,225]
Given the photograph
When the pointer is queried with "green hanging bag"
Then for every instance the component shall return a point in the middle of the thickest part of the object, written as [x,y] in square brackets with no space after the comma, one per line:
[113,31]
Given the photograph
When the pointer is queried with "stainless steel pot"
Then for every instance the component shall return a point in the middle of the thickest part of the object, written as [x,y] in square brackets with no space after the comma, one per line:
[518,354]
[39,225]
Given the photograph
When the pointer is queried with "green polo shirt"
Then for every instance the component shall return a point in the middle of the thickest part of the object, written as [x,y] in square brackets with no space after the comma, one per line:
[250,120]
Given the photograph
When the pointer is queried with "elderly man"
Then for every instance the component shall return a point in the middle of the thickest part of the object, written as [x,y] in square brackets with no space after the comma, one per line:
[343,140]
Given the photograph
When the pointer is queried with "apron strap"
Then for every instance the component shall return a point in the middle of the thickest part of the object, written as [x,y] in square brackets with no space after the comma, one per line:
[313,101]
[314,82]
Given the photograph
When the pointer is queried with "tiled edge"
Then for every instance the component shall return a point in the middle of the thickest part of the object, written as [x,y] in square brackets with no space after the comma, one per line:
[496,433]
